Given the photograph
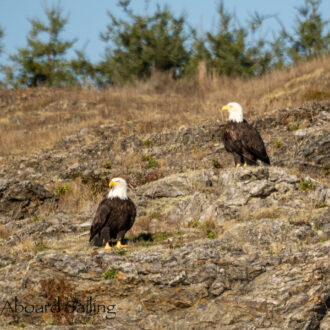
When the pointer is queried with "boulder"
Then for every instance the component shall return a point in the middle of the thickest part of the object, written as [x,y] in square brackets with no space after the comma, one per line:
[22,199]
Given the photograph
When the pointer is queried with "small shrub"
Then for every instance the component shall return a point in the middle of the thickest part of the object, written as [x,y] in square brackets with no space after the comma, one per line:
[146,158]
[306,185]
[109,274]
[278,144]
[293,127]
[36,218]
[62,190]
[320,205]
[148,143]
[107,165]
[194,224]
[149,162]
[211,234]
[215,163]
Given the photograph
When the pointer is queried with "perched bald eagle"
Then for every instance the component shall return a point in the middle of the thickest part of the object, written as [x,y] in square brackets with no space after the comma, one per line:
[114,216]
[242,139]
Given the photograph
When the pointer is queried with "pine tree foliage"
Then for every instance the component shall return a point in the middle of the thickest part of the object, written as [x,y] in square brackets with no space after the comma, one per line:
[82,68]
[1,37]
[228,52]
[43,61]
[309,38]
[140,45]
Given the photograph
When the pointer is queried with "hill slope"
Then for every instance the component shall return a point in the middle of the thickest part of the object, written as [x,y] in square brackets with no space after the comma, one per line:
[213,246]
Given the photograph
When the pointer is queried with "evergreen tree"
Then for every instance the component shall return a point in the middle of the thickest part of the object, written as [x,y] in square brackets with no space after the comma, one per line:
[1,36]
[2,85]
[227,51]
[309,38]
[84,71]
[43,62]
[141,45]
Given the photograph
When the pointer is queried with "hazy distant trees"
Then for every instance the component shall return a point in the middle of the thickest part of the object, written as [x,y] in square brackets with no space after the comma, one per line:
[139,45]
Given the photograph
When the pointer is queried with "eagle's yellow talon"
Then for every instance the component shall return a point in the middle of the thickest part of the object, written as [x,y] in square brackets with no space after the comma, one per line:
[119,245]
[238,165]
[107,246]
[245,164]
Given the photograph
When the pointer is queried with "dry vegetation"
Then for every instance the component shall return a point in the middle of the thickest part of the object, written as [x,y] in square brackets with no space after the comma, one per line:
[31,119]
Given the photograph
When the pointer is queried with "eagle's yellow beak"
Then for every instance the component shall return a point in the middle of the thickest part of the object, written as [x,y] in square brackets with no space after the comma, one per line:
[225,107]
[112,184]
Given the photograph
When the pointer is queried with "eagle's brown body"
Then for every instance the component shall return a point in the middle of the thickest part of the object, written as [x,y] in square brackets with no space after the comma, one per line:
[245,143]
[113,218]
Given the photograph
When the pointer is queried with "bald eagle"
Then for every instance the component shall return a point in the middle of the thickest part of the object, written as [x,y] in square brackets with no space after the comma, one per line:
[114,216]
[242,139]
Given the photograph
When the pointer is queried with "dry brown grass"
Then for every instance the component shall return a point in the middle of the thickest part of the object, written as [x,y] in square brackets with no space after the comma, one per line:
[32,119]
[26,245]
[4,232]
[77,196]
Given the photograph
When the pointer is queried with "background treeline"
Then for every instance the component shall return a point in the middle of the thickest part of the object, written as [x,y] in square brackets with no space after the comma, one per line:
[138,46]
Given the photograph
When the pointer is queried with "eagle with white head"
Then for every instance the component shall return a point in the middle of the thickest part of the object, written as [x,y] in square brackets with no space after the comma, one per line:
[114,216]
[242,139]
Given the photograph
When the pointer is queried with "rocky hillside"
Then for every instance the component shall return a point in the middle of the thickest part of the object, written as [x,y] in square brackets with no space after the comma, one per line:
[213,246]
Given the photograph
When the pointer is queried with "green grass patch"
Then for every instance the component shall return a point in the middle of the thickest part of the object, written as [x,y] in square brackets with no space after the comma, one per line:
[194,224]
[306,185]
[62,189]
[147,143]
[120,252]
[161,236]
[294,127]
[149,161]
[278,144]
[41,247]
[319,205]
[36,218]
[107,165]
[211,234]
[109,274]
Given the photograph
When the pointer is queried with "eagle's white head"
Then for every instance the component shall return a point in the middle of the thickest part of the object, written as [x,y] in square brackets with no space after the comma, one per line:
[235,111]
[118,188]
